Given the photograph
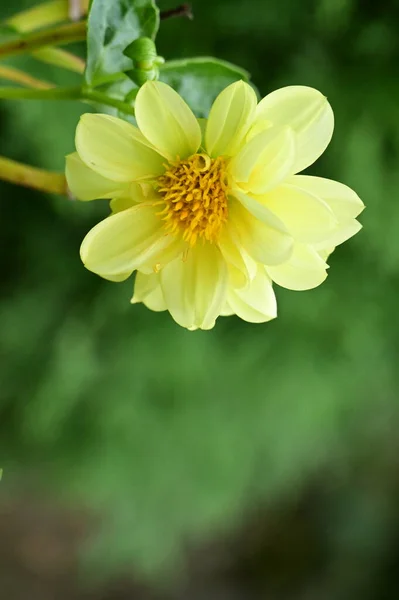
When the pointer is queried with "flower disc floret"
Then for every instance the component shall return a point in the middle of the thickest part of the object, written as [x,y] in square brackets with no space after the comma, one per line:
[194,194]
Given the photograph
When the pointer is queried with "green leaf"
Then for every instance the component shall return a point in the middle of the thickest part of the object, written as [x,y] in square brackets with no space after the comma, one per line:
[200,80]
[112,26]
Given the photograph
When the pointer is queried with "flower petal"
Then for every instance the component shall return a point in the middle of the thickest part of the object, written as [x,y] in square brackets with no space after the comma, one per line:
[137,192]
[305,269]
[256,303]
[307,218]
[195,289]
[342,233]
[242,268]
[147,289]
[86,184]
[259,210]
[124,241]
[118,204]
[229,119]
[265,161]
[263,242]
[167,121]
[343,201]
[116,149]
[308,113]
[226,311]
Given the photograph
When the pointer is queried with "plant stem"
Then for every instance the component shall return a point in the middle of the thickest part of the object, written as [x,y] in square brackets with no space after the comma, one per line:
[65,93]
[39,179]
[93,96]
[60,58]
[57,93]
[23,78]
[64,34]
[40,16]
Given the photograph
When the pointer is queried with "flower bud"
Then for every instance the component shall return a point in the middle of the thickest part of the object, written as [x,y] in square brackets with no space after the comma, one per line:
[145,60]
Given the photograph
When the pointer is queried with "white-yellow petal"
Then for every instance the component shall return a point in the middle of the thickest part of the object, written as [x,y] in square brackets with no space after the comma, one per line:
[265,161]
[258,209]
[255,303]
[125,241]
[116,149]
[308,113]
[167,121]
[226,311]
[195,288]
[307,218]
[342,233]
[342,200]
[229,119]
[242,268]
[147,289]
[303,271]
[264,242]
[86,184]
[136,193]
[118,204]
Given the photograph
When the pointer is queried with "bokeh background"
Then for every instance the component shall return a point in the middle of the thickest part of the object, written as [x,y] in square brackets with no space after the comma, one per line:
[142,461]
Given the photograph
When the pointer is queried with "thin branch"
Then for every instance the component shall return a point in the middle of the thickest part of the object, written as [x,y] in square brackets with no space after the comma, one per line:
[60,58]
[12,74]
[64,34]
[31,177]
[57,93]
[99,97]
[184,10]
[46,14]
[65,93]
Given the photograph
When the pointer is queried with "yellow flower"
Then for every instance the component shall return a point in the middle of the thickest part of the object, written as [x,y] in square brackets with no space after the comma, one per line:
[210,213]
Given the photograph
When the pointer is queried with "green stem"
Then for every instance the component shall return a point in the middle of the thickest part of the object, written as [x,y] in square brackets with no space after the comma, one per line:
[58,93]
[39,179]
[93,96]
[60,58]
[23,78]
[40,16]
[64,34]
[65,93]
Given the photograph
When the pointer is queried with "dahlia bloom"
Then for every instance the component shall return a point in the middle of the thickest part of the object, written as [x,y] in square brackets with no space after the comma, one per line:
[211,212]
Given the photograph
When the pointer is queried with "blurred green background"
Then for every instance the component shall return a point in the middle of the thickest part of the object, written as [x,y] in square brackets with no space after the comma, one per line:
[248,462]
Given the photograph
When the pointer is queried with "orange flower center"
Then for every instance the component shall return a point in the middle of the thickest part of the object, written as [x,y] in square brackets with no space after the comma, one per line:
[195,195]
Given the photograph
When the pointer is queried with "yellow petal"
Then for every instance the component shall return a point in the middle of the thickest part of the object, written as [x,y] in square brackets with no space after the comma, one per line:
[242,268]
[307,218]
[264,242]
[343,201]
[117,278]
[86,184]
[116,149]
[147,289]
[342,233]
[305,269]
[308,113]
[226,311]
[229,119]
[265,161]
[137,192]
[259,210]
[122,203]
[255,303]
[125,241]
[167,121]
[195,289]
